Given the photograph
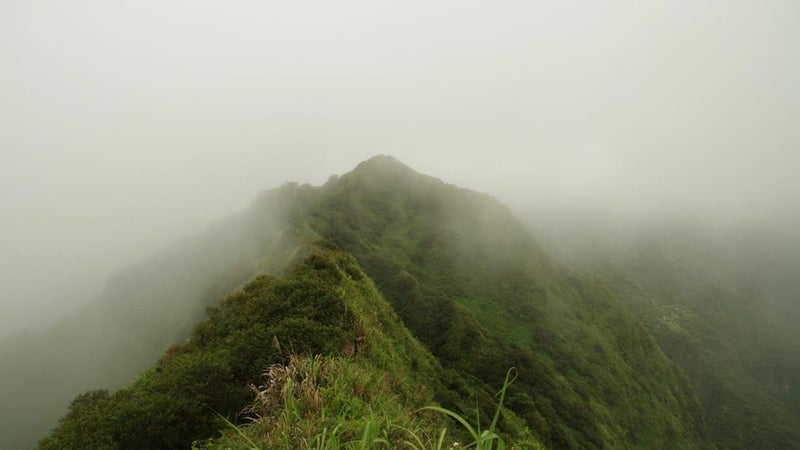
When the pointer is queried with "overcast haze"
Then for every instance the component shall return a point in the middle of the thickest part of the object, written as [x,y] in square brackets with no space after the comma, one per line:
[126,125]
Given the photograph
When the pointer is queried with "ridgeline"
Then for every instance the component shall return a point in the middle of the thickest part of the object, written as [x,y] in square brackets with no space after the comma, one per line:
[370,297]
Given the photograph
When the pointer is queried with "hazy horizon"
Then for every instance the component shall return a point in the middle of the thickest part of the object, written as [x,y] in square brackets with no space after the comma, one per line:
[129,126]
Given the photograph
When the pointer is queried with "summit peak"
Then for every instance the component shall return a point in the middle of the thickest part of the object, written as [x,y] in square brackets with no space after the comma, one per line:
[383,163]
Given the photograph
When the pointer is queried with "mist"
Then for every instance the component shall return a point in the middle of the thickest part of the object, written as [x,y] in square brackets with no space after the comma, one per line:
[128,126]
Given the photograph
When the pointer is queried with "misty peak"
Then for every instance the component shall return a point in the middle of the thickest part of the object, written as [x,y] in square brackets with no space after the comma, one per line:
[382,172]
[383,164]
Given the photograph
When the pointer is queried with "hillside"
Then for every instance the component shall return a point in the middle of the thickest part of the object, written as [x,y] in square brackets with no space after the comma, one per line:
[327,306]
[460,272]
[722,305]
[470,282]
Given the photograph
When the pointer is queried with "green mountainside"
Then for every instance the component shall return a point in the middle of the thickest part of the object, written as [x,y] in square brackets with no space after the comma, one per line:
[468,280]
[326,307]
[723,306]
[468,295]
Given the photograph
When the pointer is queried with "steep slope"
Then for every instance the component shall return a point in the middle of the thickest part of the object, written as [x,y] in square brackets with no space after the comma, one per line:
[459,271]
[326,307]
[721,305]
[469,281]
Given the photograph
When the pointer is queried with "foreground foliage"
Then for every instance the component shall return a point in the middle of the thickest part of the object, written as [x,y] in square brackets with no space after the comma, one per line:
[341,403]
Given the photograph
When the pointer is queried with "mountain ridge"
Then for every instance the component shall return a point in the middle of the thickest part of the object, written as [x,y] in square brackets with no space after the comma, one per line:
[468,280]
[497,247]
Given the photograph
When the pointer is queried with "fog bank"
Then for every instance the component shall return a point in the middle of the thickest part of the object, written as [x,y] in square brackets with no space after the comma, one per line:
[127,126]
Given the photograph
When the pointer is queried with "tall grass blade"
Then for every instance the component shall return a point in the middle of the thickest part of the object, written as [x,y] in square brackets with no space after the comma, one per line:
[457,417]
[238,430]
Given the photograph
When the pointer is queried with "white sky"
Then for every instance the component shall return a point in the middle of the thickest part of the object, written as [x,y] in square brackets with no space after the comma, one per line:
[125,125]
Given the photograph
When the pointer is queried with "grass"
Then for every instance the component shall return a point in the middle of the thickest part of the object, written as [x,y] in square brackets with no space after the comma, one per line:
[483,439]
[300,406]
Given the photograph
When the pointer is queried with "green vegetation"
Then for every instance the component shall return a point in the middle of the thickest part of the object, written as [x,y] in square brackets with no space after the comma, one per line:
[722,309]
[365,378]
[338,403]
[453,293]
[467,279]
[315,311]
